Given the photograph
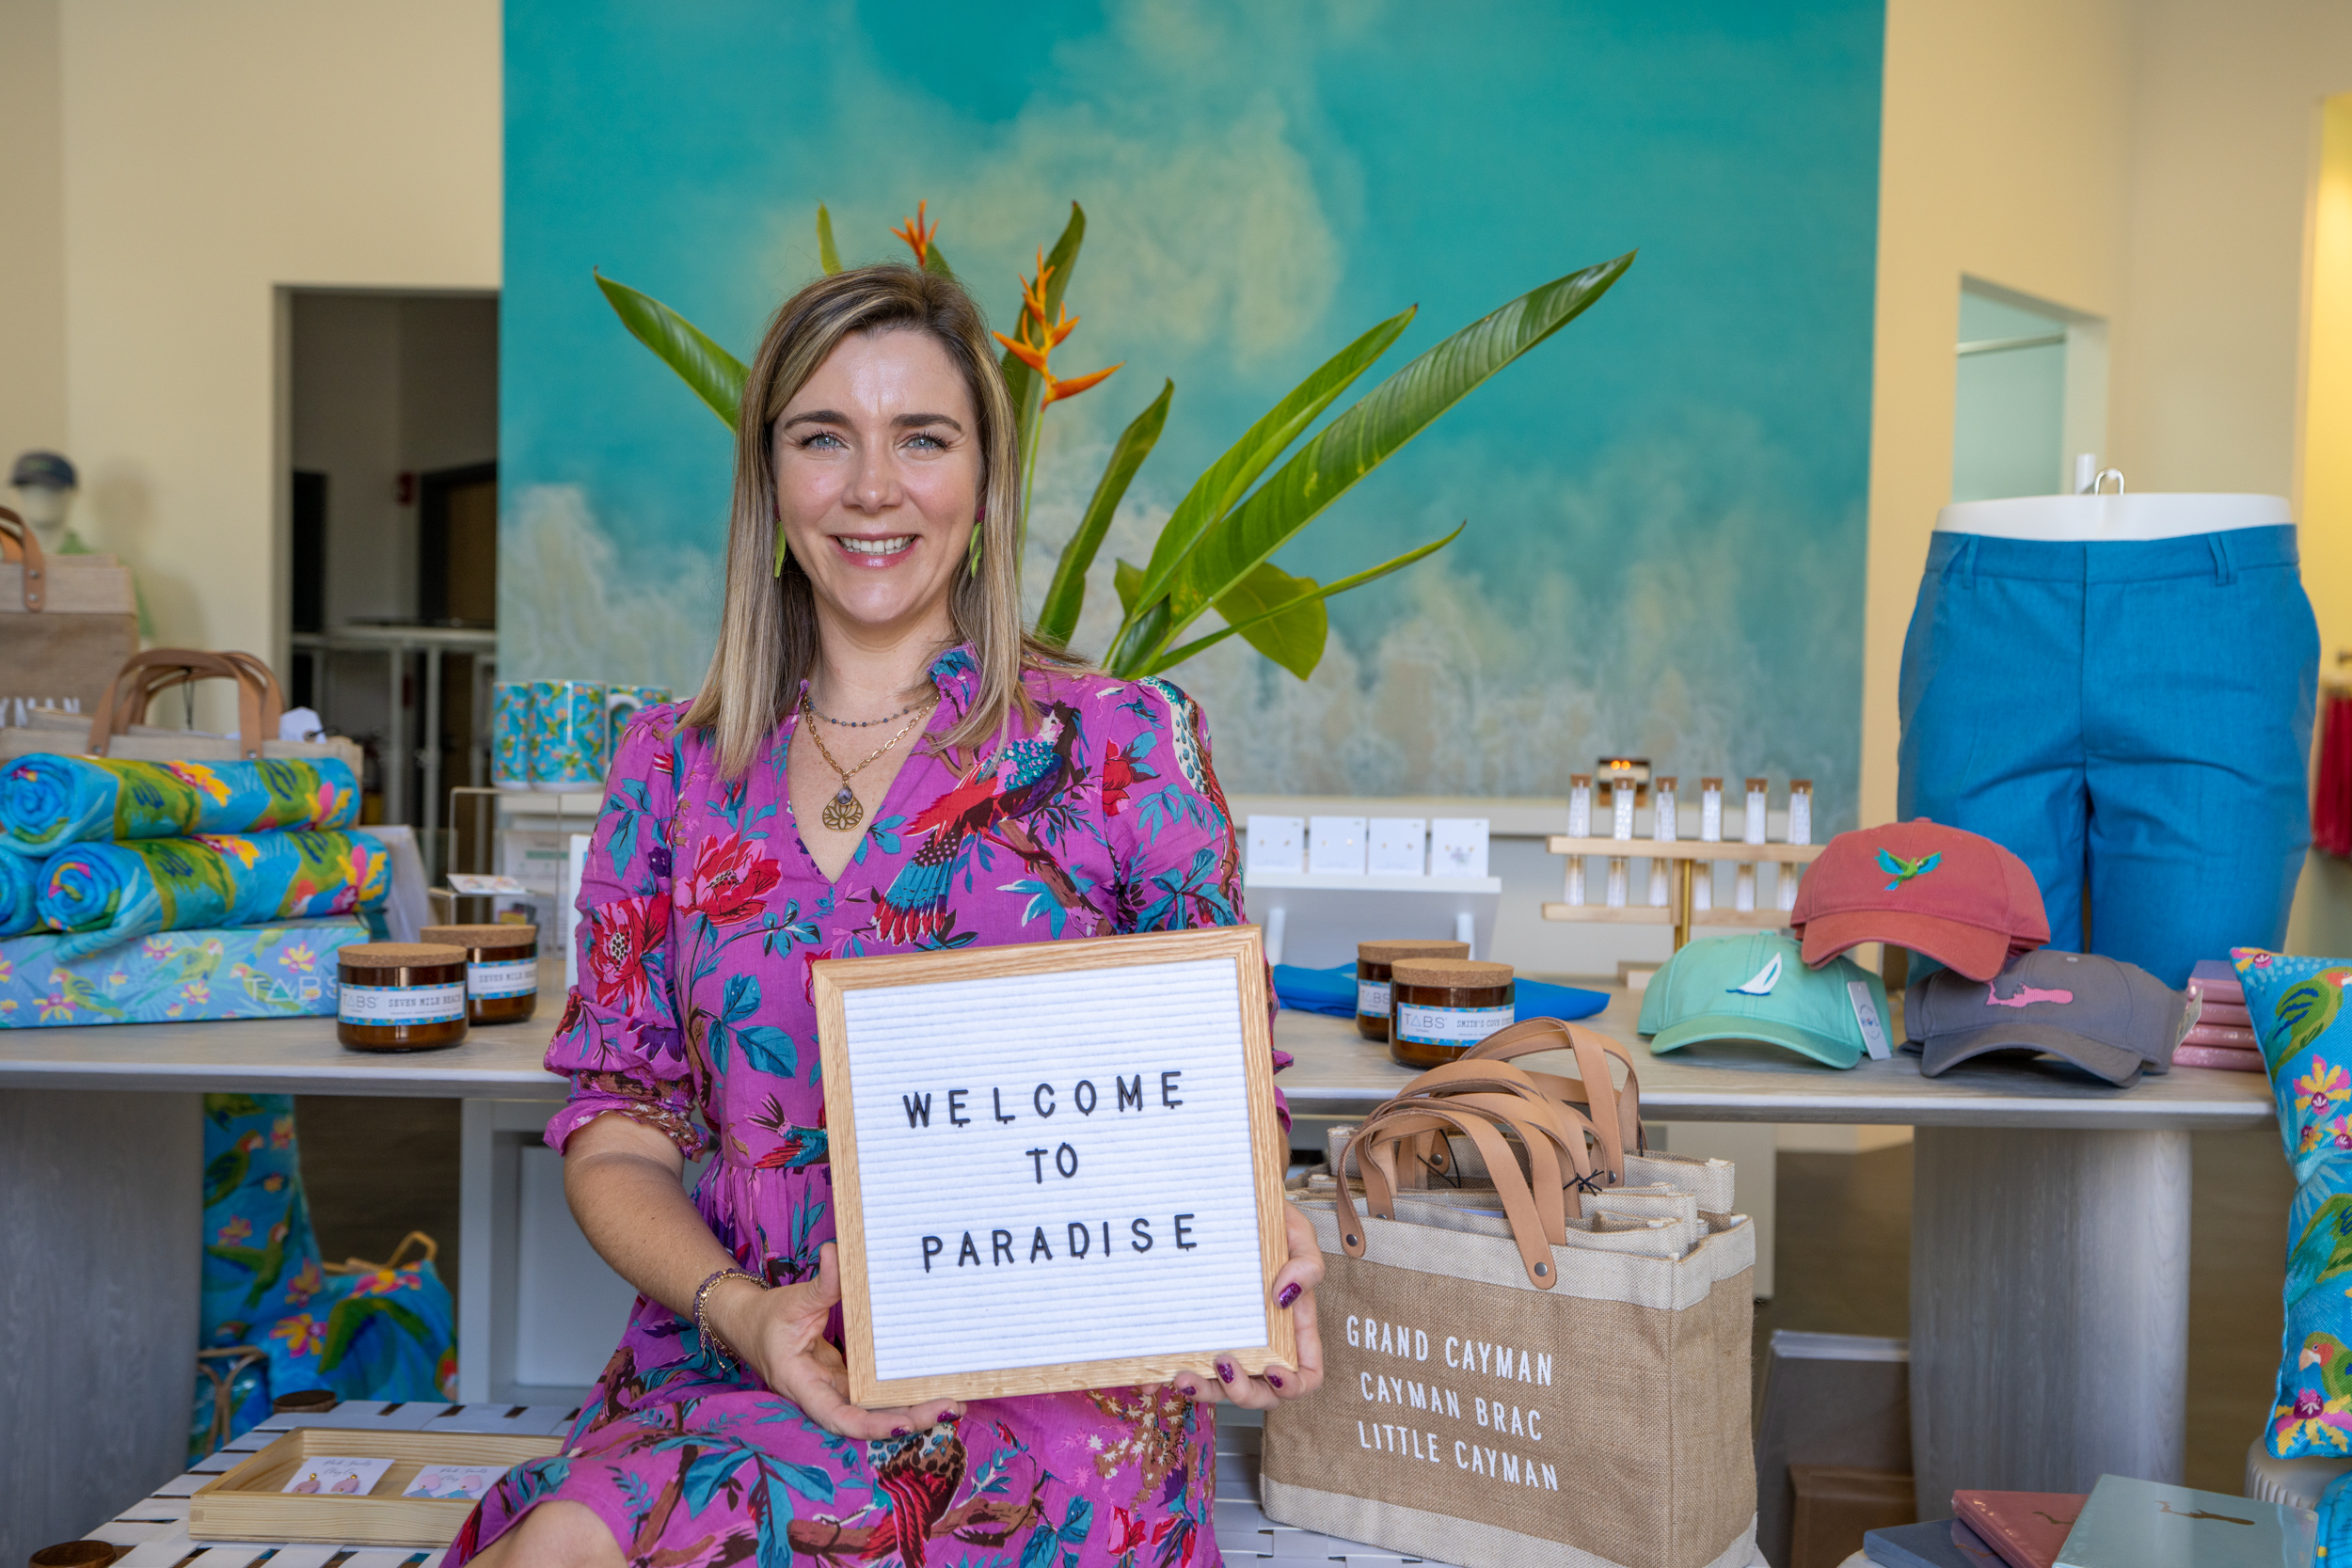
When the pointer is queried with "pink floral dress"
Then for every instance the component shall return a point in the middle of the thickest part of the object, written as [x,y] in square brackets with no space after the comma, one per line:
[701,912]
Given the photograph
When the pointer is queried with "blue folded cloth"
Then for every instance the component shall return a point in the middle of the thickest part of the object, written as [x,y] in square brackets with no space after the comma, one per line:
[1332,992]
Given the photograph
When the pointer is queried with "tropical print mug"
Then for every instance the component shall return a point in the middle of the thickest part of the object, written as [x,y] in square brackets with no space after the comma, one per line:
[621,704]
[510,734]
[569,735]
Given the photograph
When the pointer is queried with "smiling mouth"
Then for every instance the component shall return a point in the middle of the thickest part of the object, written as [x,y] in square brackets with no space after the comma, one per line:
[876,549]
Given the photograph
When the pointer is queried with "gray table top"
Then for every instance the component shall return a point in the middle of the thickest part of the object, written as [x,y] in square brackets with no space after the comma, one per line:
[1336,1072]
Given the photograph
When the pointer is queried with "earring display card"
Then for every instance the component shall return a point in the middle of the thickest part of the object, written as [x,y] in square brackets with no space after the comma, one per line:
[1398,846]
[1336,845]
[1457,846]
[1278,843]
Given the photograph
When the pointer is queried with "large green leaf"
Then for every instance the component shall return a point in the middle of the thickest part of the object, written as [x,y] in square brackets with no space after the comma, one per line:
[1128,577]
[1369,433]
[1214,492]
[1067,597]
[828,255]
[1279,615]
[1131,669]
[1020,381]
[715,375]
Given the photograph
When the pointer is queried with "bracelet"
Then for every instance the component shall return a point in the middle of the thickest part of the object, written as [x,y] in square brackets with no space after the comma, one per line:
[726,1357]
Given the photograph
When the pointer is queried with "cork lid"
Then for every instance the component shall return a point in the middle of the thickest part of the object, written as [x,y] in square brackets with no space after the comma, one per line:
[397,954]
[1389,952]
[508,935]
[1453,974]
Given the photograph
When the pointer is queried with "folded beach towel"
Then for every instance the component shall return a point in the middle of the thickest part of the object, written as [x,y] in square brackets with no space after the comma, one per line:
[102,892]
[1332,992]
[47,802]
[18,874]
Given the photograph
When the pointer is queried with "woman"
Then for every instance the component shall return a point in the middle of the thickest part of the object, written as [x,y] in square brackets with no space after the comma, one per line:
[878,762]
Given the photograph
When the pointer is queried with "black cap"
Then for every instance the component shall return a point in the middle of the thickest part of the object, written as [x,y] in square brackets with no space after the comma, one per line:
[48,468]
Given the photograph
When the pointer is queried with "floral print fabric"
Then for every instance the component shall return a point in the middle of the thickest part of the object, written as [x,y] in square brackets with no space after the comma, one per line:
[701,913]
[49,801]
[104,893]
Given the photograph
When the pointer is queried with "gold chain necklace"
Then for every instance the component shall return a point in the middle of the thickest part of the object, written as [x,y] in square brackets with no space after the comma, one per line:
[845,811]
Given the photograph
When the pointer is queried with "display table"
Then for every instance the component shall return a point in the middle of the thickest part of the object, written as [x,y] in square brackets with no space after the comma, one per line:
[2049,1258]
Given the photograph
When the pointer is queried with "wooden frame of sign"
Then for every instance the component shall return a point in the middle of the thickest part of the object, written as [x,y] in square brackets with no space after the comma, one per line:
[971,1244]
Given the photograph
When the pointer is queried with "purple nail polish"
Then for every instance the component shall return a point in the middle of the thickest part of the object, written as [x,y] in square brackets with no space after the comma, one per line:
[1225,1372]
[897,1431]
[1274,1378]
[1289,1294]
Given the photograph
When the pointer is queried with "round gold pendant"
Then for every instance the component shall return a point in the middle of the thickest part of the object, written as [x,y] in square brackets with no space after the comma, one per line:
[844,811]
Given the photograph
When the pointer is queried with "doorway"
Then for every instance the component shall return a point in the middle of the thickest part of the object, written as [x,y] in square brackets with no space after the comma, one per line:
[392,587]
[2031,391]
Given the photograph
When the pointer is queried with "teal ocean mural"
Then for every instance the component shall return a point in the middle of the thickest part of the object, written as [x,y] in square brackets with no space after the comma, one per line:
[1665,501]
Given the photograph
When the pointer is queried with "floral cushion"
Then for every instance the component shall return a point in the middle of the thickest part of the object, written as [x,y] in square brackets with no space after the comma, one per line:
[2299,1014]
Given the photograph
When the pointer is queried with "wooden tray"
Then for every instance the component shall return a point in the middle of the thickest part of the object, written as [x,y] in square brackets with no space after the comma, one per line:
[247,1505]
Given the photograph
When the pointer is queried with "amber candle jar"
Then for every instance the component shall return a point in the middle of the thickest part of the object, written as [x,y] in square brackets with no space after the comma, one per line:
[1444,1006]
[401,996]
[501,969]
[1373,960]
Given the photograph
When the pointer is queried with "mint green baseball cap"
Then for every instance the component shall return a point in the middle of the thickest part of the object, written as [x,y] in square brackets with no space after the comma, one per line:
[1755,987]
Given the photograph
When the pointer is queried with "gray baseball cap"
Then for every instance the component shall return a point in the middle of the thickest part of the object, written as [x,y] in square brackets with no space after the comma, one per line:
[44,468]
[2108,1018]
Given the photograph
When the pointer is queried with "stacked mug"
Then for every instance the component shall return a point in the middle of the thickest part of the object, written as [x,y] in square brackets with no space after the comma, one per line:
[560,734]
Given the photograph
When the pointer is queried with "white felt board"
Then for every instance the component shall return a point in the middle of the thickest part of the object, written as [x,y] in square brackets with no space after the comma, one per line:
[1027,1292]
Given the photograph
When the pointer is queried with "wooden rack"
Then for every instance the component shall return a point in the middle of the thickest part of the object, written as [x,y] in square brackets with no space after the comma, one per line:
[1685,856]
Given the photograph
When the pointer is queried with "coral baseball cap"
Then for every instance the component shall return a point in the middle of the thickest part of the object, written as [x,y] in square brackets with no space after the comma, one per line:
[1756,988]
[2108,1018]
[1957,896]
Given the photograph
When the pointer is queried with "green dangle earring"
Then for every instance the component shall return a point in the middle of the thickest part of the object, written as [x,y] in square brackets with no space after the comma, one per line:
[980,530]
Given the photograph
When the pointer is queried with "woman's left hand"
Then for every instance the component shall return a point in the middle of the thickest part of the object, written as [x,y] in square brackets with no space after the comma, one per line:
[1294,1292]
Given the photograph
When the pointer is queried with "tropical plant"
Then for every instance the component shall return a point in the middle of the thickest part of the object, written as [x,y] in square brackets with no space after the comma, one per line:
[1215,550]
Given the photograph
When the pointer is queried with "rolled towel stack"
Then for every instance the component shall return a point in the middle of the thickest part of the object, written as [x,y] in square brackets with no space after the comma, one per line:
[105,851]
[47,802]
[105,893]
[2223,1034]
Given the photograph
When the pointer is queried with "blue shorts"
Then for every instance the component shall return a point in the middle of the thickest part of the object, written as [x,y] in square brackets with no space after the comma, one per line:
[2133,720]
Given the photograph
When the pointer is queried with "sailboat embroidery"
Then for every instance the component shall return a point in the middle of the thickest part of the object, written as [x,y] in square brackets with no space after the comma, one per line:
[1761,982]
[2225,1518]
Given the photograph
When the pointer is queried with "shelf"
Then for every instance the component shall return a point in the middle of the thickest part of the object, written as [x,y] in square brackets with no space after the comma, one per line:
[1736,919]
[1341,882]
[1683,849]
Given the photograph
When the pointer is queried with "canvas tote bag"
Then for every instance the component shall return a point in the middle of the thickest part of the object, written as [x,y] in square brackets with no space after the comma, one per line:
[66,623]
[114,729]
[1521,1365]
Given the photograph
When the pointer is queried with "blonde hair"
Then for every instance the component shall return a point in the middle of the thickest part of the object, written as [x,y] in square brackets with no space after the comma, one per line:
[768,642]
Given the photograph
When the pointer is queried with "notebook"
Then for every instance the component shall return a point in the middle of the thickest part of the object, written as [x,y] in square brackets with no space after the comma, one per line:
[2025,1527]
[2145,1524]
[1941,1543]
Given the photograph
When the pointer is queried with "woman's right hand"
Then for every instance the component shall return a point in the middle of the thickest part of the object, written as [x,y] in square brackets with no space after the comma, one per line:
[780,1334]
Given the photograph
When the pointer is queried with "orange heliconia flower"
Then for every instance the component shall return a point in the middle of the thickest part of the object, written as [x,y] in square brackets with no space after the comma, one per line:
[917,237]
[1037,356]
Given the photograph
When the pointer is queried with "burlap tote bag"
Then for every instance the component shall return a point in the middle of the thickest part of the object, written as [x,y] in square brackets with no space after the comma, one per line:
[66,623]
[1521,1371]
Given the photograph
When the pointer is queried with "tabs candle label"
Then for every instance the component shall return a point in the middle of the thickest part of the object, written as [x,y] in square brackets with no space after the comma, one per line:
[1422,1026]
[505,977]
[1372,998]
[388,1004]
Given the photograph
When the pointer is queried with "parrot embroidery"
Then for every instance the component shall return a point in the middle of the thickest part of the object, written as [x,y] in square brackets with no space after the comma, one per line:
[920,1475]
[1903,870]
[992,798]
[2309,1006]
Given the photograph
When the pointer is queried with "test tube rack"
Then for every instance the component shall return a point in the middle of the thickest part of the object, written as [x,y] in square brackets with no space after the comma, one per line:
[1684,909]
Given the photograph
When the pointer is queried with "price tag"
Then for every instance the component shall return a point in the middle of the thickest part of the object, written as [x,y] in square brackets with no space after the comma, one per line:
[1865,1013]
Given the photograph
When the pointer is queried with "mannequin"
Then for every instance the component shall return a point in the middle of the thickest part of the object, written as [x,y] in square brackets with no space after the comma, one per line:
[45,485]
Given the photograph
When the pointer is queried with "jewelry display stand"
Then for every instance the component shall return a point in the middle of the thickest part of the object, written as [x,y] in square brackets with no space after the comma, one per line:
[1681,907]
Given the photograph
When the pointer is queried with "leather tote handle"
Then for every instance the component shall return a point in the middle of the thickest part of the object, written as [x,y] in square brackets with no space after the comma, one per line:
[1528,1231]
[1548,1096]
[19,543]
[1616,1114]
[146,676]
[1541,1128]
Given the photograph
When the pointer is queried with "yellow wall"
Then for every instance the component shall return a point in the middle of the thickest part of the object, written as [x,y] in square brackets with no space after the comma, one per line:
[32,243]
[212,154]
[2003,156]
[2327,504]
